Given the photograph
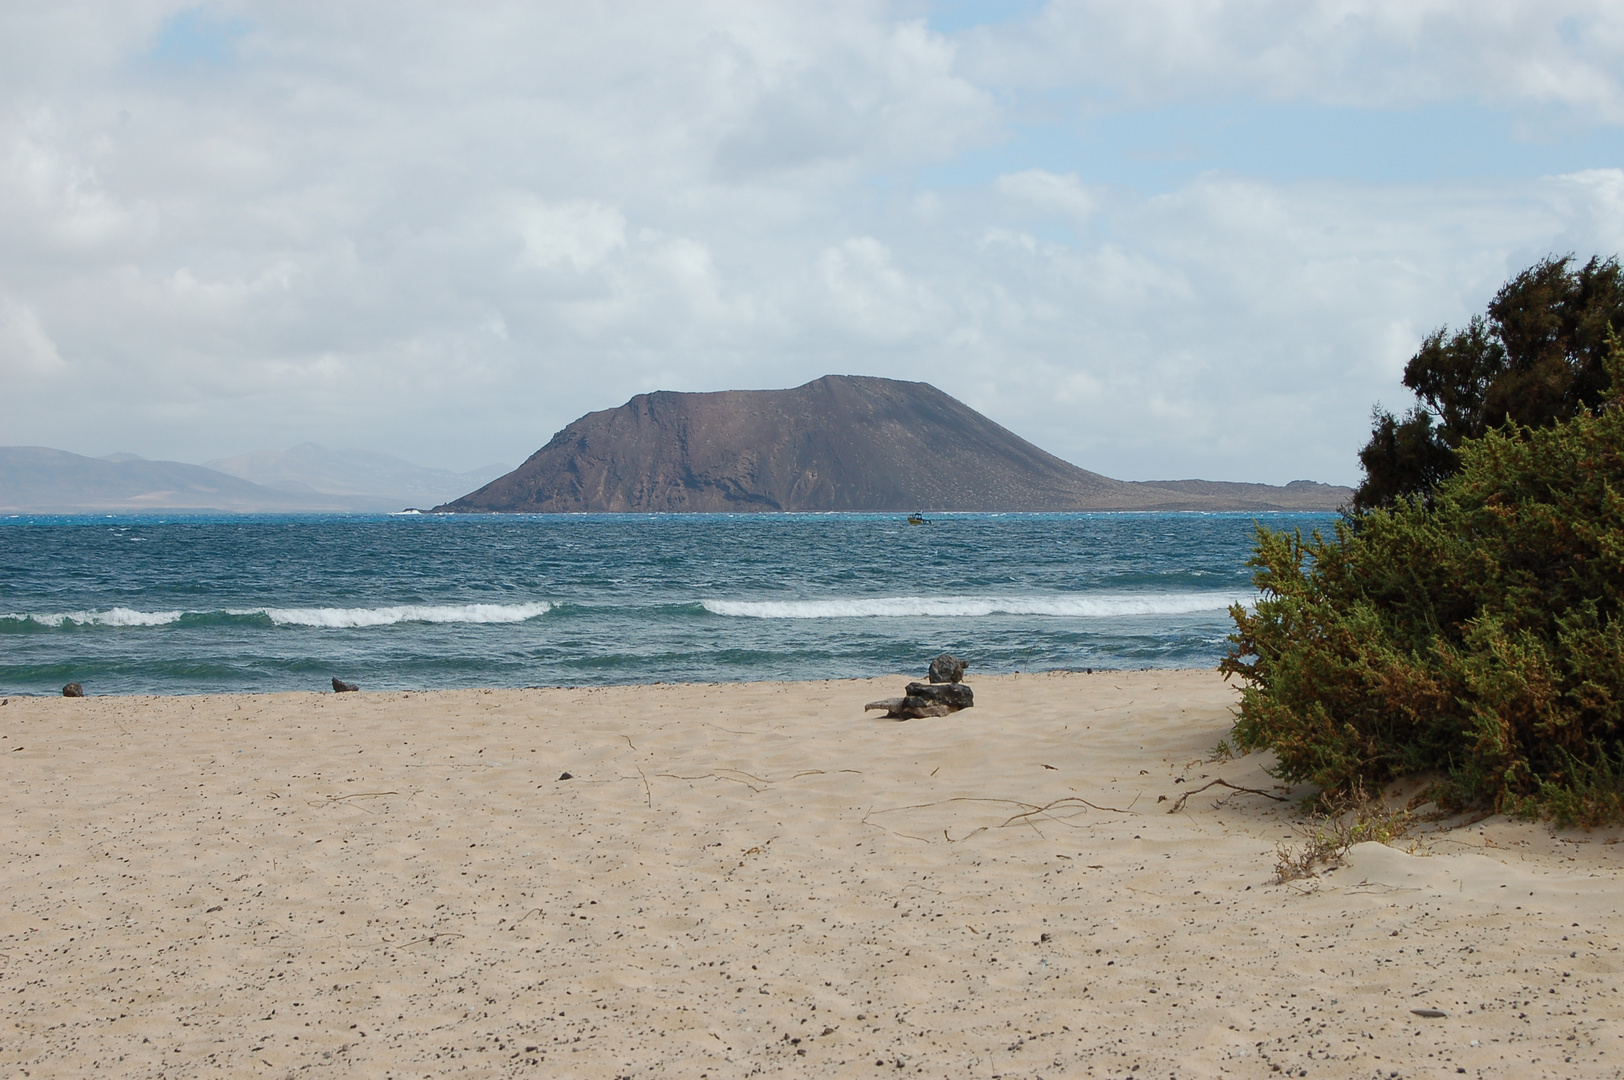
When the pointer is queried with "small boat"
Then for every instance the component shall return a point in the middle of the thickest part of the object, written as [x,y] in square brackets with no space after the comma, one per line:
[917,519]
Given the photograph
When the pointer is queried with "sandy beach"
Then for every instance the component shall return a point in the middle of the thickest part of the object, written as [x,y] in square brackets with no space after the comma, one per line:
[755,878]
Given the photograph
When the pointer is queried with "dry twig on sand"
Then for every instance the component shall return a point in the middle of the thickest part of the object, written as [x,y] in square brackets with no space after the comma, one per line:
[765,783]
[1355,818]
[334,800]
[1179,805]
[1028,812]
[1044,809]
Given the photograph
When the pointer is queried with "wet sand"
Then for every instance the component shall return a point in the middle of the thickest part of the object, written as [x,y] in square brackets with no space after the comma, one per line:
[750,879]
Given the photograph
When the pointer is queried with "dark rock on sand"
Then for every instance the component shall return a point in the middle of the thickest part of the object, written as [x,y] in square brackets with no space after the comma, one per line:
[953,694]
[926,699]
[73,689]
[342,687]
[942,695]
[947,668]
[566,776]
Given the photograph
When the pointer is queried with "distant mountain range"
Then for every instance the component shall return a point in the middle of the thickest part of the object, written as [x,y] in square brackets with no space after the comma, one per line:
[305,479]
[310,468]
[842,442]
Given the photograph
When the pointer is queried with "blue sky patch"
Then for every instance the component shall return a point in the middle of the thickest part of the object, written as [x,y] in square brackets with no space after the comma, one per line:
[953,16]
[193,37]
[1160,148]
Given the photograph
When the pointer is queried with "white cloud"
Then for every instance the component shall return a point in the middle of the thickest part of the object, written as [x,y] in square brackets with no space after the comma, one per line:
[852,91]
[447,232]
[1591,203]
[1048,191]
[578,232]
[871,296]
[26,349]
[53,201]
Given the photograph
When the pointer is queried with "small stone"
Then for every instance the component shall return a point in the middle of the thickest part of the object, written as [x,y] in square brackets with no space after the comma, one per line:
[566,776]
[342,687]
[73,689]
[947,668]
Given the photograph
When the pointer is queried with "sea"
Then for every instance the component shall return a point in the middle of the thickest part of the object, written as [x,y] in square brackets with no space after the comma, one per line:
[184,604]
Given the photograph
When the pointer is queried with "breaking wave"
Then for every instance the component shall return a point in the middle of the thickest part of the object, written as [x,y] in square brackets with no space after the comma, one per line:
[344,618]
[881,607]
[323,617]
[118,616]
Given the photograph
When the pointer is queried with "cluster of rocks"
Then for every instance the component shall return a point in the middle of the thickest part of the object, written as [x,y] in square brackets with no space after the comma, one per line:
[944,693]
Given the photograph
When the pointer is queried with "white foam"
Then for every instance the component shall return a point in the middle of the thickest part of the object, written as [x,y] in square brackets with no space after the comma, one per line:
[882,607]
[345,618]
[118,616]
[336,618]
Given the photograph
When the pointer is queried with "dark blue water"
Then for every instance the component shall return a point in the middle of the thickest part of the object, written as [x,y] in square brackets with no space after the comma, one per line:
[179,605]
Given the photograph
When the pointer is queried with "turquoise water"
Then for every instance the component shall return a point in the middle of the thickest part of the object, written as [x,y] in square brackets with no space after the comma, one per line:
[195,604]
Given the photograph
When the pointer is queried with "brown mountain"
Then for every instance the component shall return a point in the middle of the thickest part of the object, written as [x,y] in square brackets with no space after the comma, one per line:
[842,442]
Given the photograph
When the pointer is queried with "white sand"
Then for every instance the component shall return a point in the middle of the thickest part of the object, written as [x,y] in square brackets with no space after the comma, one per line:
[747,879]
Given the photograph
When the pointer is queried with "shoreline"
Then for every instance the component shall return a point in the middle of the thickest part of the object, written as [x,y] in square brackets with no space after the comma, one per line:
[896,677]
[743,875]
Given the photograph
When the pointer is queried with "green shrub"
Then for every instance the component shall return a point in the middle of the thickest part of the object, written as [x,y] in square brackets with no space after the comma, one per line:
[1538,357]
[1473,633]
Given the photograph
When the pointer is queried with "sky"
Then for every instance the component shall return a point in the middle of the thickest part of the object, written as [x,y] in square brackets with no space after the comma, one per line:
[1161,240]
